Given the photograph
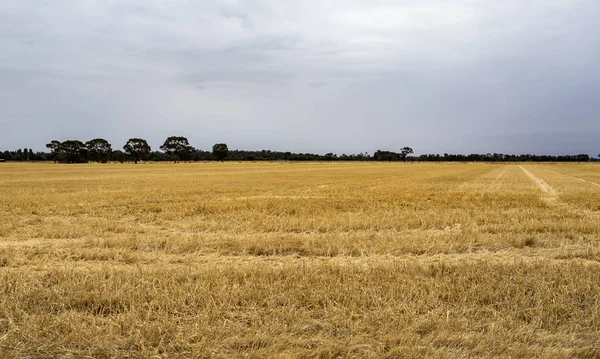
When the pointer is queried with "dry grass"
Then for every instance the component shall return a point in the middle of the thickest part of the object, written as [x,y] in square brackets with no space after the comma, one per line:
[300,260]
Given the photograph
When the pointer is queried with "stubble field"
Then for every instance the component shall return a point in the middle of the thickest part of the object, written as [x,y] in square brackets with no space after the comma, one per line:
[300,260]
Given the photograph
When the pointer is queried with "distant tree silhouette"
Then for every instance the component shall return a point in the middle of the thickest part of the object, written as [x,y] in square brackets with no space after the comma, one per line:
[220,151]
[54,147]
[18,155]
[179,147]
[137,148]
[118,155]
[98,149]
[385,156]
[405,152]
[74,151]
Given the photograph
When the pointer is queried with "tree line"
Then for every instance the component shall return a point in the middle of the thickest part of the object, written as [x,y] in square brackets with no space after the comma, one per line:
[178,148]
[175,148]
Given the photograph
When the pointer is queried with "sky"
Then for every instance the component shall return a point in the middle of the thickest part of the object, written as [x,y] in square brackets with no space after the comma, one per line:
[456,76]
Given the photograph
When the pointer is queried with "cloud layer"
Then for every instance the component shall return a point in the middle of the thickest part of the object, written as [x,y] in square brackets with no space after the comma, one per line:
[342,76]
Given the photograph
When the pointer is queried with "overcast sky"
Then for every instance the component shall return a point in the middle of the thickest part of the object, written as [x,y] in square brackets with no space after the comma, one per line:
[456,76]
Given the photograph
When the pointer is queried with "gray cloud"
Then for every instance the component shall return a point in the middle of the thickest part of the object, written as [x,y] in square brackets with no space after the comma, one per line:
[318,84]
[342,76]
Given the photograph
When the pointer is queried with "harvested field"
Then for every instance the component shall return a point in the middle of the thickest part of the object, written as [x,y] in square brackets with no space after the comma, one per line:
[300,260]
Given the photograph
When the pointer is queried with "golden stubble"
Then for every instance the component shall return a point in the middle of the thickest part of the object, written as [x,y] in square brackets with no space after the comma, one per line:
[300,260]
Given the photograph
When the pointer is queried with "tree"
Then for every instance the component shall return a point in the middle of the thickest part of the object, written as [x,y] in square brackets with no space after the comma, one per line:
[54,147]
[137,148]
[385,156]
[74,151]
[179,147]
[220,151]
[117,155]
[405,152]
[98,149]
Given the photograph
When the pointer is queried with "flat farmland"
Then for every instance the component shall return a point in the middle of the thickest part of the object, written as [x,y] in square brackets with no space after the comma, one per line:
[285,260]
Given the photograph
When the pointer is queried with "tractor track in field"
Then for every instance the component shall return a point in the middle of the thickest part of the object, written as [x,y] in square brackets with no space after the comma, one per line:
[575,178]
[498,180]
[549,192]
[550,196]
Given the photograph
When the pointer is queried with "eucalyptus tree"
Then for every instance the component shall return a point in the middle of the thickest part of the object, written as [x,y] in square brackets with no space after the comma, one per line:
[98,149]
[137,148]
[179,147]
[405,151]
[220,151]
[54,147]
[74,151]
